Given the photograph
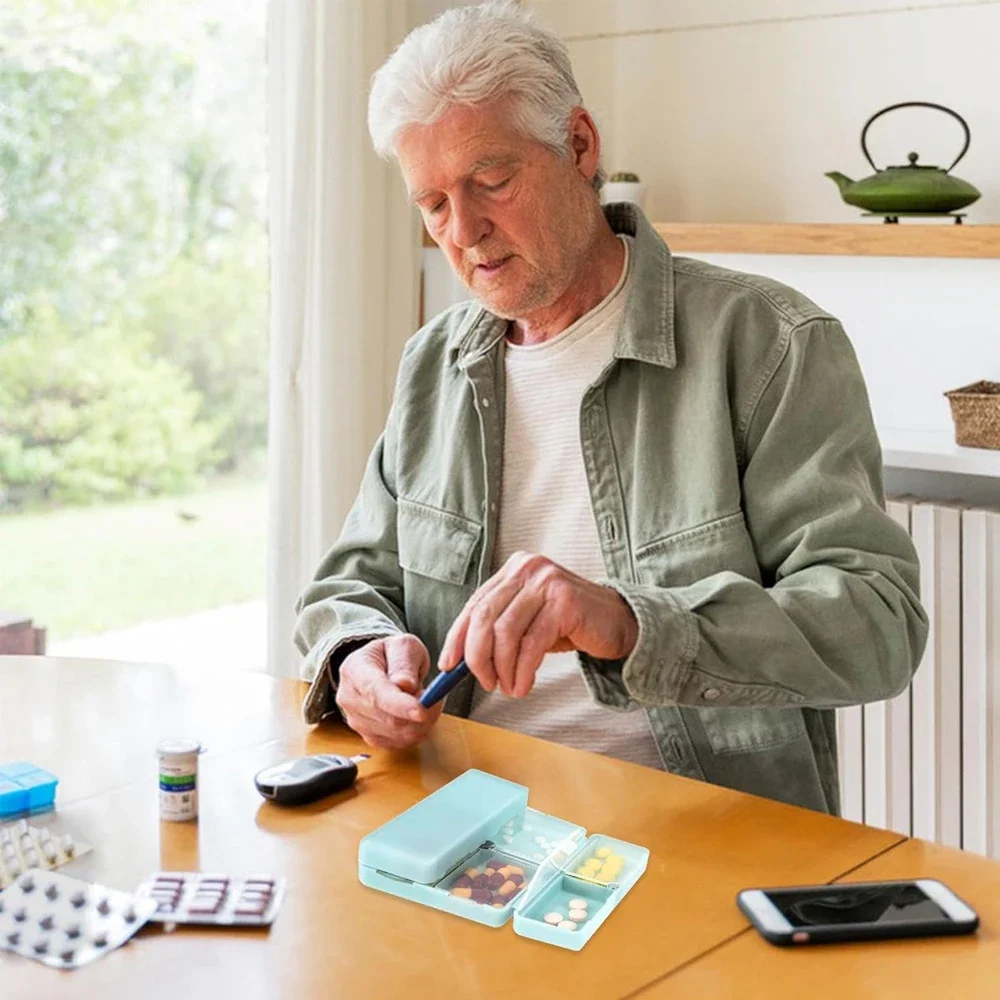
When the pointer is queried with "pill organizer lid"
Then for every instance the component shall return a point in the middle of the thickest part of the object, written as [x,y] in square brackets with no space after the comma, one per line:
[548,869]
[426,841]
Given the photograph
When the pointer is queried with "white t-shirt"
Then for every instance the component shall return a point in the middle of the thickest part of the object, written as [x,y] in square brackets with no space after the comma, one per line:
[545,508]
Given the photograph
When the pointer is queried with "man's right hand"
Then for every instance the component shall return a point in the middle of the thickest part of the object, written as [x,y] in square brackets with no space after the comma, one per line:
[378,692]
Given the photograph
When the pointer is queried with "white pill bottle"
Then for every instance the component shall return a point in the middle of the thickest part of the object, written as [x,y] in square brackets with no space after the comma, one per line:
[178,778]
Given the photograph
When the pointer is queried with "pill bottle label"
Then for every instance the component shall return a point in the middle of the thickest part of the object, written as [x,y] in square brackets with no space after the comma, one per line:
[178,789]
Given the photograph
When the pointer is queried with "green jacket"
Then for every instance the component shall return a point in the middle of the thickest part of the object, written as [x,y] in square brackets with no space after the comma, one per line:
[736,479]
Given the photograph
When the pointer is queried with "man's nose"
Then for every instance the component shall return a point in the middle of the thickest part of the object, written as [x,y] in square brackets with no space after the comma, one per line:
[468,224]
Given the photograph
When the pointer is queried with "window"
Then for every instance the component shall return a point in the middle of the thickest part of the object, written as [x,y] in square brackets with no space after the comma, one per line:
[133,326]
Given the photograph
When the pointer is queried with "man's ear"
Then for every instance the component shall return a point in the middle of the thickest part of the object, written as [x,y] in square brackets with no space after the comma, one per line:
[585,142]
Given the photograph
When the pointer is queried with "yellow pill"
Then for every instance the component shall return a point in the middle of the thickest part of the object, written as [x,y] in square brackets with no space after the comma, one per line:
[610,865]
[585,872]
[617,859]
[602,852]
[592,863]
[603,879]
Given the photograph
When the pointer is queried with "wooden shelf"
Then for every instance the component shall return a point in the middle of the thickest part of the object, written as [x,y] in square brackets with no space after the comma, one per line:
[936,451]
[848,239]
[852,239]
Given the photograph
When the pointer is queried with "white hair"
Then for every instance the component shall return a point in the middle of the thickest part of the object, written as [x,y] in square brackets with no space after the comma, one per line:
[471,56]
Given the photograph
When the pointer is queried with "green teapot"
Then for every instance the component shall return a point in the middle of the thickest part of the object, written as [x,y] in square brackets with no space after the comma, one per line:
[914,189]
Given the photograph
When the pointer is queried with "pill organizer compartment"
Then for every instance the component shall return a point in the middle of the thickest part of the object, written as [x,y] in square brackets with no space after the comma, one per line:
[25,790]
[534,835]
[578,879]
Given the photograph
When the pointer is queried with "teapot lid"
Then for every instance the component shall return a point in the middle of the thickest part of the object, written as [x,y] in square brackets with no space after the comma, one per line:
[912,165]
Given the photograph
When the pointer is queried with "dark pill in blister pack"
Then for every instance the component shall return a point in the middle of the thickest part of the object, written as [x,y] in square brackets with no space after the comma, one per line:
[65,922]
[196,898]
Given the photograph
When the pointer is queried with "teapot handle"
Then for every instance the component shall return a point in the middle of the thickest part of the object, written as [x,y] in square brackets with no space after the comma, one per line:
[916,104]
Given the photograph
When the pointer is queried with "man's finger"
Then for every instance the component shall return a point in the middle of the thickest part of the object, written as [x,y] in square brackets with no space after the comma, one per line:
[407,662]
[507,632]
[479,638]
[373,687]
[540,636]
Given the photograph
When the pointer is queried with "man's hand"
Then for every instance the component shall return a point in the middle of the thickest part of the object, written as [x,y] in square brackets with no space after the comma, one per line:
[531,607]
[378,691]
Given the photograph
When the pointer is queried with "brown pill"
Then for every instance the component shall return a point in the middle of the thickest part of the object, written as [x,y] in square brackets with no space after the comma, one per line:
[507,889]
[482,895]
[463,882]
[481,882]
[496,881]
[516,879]
[496,864]
[464,891]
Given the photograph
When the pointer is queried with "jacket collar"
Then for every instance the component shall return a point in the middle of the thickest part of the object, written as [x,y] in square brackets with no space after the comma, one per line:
[647,331]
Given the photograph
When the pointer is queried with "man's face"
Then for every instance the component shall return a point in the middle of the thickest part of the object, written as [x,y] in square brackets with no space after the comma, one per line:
[512,217]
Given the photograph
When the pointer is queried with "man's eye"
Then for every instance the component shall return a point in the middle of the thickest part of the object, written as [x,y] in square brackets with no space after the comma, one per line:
[437,207]
[497,187]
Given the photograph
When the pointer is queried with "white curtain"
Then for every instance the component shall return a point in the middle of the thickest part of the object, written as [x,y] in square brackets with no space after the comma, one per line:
[345,282]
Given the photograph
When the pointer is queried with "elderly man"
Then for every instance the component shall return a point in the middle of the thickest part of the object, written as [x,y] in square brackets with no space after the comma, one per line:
[640,495]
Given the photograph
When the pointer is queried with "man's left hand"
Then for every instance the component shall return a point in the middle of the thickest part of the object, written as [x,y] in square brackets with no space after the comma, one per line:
[532,606]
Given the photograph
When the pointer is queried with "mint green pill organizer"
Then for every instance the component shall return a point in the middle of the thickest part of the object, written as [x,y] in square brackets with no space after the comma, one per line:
[478,823]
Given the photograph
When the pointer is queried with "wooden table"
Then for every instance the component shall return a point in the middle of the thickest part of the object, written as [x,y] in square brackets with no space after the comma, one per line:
[96,724]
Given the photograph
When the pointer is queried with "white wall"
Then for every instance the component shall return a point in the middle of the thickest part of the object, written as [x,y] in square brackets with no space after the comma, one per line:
[732,110]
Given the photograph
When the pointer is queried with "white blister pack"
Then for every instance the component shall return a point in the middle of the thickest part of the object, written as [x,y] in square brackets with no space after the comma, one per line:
[24,847]
[65,922]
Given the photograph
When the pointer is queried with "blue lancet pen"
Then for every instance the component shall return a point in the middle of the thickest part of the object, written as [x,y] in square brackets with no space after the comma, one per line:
[443,683]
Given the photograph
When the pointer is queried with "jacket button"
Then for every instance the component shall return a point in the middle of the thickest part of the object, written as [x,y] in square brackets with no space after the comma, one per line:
[710,694]
[486,404]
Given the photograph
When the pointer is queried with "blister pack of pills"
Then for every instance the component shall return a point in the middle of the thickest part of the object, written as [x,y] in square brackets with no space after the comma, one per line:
[24,847]
[65,922]
[200,898]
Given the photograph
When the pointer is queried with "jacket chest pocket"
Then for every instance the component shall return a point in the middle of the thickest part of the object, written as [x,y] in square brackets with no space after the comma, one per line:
[435,543]
[720,545]
[437,554]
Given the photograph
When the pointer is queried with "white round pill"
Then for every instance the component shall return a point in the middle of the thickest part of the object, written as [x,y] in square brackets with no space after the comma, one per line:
[578,915]
[67,844]
[578,904]
[567,925]
[554,918]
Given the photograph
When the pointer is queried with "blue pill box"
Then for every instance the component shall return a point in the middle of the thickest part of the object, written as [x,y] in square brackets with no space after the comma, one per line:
[480,823]
[25,789]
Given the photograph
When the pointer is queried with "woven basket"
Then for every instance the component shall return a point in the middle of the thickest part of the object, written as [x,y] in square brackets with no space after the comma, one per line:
[976,411]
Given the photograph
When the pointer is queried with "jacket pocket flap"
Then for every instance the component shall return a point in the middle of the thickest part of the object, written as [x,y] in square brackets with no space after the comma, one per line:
[434,542]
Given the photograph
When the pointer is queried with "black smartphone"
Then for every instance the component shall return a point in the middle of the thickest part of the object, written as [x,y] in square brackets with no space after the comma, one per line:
[856,911]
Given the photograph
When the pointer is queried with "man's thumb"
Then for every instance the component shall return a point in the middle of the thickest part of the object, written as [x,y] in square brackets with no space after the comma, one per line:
[407,662]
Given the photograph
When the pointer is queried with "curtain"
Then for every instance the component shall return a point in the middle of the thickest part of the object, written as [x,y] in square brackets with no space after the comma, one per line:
[345,253]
